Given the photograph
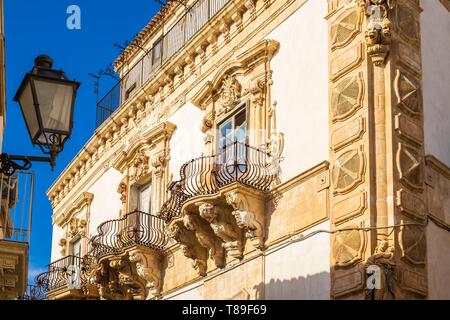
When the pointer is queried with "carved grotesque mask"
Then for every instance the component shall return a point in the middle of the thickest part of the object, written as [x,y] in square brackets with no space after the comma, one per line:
[208,212]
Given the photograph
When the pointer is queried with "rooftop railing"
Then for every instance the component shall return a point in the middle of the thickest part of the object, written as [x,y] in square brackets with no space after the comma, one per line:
[136,228]
[195,18]
[236,162]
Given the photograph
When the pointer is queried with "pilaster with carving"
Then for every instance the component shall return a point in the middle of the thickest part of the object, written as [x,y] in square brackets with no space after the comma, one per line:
[382,106]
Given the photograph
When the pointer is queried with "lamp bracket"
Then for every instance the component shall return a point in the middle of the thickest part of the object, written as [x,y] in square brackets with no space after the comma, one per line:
[8,164]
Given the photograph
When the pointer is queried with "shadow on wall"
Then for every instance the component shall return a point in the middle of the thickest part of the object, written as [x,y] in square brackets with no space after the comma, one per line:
[311,287]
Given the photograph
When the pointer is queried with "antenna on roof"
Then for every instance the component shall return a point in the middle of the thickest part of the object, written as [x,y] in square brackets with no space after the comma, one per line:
[182,2]
[108,71]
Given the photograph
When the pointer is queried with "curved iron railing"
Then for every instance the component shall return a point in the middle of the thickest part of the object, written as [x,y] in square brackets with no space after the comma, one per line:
[59,275]
[40,289]
[136,228]
[236,162]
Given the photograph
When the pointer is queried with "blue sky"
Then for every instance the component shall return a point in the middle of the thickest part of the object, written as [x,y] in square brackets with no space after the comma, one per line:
[36,27]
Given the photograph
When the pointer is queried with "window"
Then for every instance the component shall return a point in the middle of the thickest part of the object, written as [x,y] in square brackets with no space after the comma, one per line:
[234,128]
[76,248]
[144,198]
[232,142]
[157,51]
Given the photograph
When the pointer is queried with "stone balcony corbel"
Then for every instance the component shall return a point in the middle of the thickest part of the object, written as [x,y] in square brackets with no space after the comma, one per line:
[147,264]
[189,245]
[224,226]
[248,210]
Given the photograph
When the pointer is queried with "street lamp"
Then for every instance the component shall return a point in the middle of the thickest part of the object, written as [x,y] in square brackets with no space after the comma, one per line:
[46,98]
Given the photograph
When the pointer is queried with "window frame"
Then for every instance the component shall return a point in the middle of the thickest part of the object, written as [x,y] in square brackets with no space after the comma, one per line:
[232,115]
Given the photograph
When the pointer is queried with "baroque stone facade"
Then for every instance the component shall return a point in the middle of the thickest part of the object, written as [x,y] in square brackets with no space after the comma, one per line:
[254,186]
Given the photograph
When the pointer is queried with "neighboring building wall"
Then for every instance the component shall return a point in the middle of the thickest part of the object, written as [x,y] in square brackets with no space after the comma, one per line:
[437,230]
[435,26]
[438,251]
[300,87]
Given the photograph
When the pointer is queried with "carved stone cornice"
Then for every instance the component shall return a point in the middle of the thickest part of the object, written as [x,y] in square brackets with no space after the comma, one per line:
[162,132]
[83,200]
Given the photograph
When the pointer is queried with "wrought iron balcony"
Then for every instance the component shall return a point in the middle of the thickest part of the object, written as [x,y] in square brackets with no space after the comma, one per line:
[61,273]
[136,228]
[195,18]
[235,163]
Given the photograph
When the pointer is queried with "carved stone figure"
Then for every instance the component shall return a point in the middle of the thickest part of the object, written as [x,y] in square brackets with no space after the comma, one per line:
[206,238]
[378,33]
[246,219]
[383,257]
[225,229]
[149,272]
[189,245]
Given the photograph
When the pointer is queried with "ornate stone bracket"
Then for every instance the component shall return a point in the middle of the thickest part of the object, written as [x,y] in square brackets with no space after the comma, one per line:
[117,278]
[224,226]
[148,268]
[189,244]
[247,219]
[206,238]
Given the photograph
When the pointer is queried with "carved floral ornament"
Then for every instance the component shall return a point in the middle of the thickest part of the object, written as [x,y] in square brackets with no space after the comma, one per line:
[73,221]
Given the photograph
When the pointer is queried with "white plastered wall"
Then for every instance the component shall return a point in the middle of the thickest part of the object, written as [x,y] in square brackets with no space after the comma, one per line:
[188,140]
[300,270]
[106,204]
[57,234]
[300,75]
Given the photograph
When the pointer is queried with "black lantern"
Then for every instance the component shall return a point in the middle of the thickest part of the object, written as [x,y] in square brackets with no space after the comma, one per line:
[46,98]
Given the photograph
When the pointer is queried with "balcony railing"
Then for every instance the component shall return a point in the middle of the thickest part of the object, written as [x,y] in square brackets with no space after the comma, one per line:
[71,270]
[196,17]
[236,162]
[136,228]
[16,206]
